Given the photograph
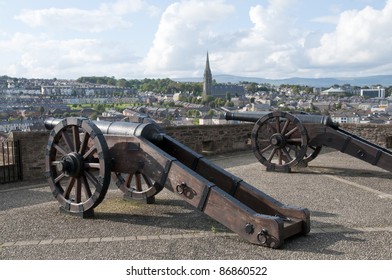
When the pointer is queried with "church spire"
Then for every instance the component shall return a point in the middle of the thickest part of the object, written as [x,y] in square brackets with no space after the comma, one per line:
[207,82]
[207,69]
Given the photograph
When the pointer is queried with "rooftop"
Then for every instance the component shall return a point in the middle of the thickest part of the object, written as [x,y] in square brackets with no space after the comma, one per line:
[349,201]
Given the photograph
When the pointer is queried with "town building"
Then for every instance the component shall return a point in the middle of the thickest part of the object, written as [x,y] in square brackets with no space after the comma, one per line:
[373,92]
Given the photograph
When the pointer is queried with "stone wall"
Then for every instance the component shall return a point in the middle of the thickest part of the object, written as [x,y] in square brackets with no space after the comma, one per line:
[32,145]
[379,134]
[209,139]
[213,139]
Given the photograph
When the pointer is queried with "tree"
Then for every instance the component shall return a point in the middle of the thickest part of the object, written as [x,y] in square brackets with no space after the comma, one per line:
[209,99]
[210,112]
[251,87]
[228,96]
[94,116]
[100,108]
[41,110]
[229,104]
[388,91]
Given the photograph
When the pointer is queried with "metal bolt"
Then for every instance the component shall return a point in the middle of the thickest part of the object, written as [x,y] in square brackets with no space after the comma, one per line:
[262,236]
[181,188]
[249,228]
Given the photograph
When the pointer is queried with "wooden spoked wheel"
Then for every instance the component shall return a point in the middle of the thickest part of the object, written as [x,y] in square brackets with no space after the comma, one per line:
[279,141]
[311,153]
[77,164]
[137,186]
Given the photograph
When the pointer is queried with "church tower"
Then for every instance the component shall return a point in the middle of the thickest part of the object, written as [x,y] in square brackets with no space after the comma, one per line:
[207,82]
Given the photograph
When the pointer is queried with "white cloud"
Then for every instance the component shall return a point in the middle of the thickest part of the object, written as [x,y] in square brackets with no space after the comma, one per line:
[274,46]
[40,57]
[75,19]
[362,38]
[271,48]
[276,22]
[122,7]
[106,17]
[184,32]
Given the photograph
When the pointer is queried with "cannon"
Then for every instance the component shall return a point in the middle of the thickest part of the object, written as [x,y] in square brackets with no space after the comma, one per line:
[281,140]
[82,156]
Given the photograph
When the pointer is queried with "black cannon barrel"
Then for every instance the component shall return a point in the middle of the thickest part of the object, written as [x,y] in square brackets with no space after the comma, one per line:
[254,117]
[147,130]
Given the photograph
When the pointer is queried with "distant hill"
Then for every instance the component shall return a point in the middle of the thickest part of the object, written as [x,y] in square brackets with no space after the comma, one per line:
[384,80]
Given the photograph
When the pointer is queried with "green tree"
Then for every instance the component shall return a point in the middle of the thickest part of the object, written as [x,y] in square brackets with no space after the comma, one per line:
[94,116]
[41,110]
[99,108]
[211,112]
[229,104]
[228,96]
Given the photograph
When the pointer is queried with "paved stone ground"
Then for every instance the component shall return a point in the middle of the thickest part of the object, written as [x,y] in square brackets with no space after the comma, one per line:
[350,203]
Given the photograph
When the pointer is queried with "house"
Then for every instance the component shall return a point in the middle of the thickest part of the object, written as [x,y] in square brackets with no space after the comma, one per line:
[206,120]
[87,112]
[345,117]
[219,119]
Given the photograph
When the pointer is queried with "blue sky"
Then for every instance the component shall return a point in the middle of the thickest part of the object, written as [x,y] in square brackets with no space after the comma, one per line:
[158,39]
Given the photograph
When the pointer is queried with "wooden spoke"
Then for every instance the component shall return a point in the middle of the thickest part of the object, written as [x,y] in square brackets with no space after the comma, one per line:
[291,132]
[271,126]
[67,140]
[76,140]
[286,124]
[138,182]
[129,180]
[277,121]
[86,186]
[78,195]
[287,154]
[89,152]
[91,177]
[59,178]
[69,187]
[94,165]
[54,163]
[294,140]
[271,155]
[83,146]
[147,180]
[60,149]
[266,149]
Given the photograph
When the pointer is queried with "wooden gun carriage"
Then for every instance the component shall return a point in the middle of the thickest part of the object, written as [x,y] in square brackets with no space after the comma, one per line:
[281,140]
[82,156]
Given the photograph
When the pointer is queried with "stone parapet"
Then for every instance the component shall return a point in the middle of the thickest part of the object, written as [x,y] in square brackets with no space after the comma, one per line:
[205,139]
[379,134]
[213,139]
[32,151]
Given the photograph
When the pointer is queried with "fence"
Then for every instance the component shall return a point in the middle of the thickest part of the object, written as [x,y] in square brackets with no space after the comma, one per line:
[10,162]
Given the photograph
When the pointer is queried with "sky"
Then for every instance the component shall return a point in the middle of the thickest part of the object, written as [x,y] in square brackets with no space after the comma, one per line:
[136,39]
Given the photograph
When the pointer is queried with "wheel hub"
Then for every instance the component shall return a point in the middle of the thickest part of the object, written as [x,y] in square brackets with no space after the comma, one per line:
[278,140]
[71,164]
